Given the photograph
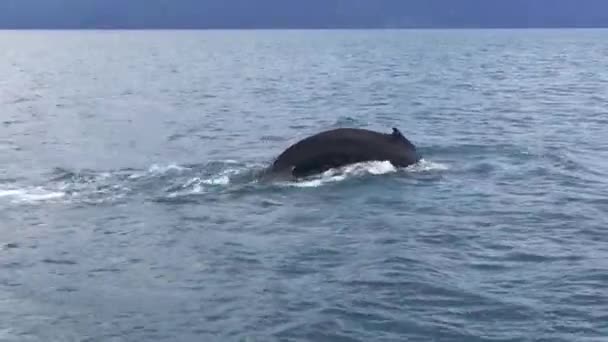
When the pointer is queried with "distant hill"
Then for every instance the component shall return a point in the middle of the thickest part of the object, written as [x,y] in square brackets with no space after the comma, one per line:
[162,14]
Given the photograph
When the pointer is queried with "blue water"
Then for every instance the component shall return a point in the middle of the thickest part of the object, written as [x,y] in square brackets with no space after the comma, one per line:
[130,208]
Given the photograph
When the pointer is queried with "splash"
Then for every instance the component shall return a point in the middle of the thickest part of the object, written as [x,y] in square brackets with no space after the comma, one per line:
[374,168]
[345,172]
[314,183]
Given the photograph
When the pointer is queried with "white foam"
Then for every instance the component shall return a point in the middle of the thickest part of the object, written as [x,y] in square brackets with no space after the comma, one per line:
[425,166]
[359,169]
[160,169]
[194,184]
[31,195]
[374,168]
[197,189]
[340,174]
[136,175]
[192,181]
[221,180]
[314,183]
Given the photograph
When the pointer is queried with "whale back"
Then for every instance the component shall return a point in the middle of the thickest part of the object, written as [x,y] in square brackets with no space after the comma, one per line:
[343,146]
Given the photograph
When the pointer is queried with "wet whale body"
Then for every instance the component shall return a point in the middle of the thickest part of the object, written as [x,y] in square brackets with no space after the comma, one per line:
[343,146]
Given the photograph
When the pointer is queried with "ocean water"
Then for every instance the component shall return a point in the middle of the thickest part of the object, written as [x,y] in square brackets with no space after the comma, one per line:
[130,209]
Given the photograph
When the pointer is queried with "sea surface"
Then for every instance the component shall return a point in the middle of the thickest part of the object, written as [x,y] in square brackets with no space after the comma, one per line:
[131,208]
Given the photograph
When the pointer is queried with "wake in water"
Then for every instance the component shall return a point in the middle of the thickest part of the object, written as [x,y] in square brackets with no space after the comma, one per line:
[178,182]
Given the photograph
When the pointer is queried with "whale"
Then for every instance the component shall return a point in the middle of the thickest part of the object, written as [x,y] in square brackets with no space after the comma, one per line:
[340,147]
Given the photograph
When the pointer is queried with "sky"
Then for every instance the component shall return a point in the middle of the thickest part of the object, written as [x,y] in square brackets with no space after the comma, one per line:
[178,14]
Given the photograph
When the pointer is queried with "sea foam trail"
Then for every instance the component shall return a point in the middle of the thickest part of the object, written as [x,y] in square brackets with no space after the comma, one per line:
[173,181]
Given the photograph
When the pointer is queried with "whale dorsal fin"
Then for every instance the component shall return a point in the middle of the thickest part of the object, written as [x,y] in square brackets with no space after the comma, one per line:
[398,135]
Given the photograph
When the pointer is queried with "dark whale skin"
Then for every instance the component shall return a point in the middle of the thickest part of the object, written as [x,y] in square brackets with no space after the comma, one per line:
[343,146]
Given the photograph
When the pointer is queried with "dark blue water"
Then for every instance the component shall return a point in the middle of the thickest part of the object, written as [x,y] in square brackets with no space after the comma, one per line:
[130,208]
